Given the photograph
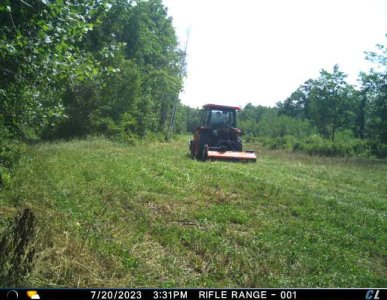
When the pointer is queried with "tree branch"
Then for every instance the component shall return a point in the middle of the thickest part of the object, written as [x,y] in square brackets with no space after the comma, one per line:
[25,3]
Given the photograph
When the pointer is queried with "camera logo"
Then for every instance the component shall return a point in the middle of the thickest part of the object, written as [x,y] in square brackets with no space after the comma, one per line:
[372,295]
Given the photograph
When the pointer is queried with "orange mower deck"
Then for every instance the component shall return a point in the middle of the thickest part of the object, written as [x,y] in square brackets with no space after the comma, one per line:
[247,156]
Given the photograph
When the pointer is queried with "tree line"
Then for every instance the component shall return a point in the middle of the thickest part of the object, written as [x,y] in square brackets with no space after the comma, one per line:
[325,115]
[78,67]
[82,67]
[75,68]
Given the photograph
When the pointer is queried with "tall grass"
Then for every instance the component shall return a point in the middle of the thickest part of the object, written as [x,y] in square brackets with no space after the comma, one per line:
[147,215]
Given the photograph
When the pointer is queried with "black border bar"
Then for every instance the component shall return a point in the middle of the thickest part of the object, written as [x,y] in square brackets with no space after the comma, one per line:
[195,294]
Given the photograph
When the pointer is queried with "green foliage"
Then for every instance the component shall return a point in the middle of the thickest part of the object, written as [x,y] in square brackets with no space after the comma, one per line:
[344,145]
[40,54]
[190,119]
[66,64]
[374,88]
[298,104]
[316,145]
[327,102]
[331,105]
[137,97]
[262,121]
[11,152]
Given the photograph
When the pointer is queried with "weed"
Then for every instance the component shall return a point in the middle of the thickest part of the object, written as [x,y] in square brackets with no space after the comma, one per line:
[17,250]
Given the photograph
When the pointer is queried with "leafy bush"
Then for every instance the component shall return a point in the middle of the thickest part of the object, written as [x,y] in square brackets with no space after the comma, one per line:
[5,176]
[284,142]
[118,131]
[272,125]
[315,144]
[10,154]
[379,150]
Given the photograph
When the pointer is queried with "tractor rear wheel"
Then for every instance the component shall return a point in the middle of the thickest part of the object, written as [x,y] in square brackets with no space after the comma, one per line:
[237,144]
[203,141]
[192,148]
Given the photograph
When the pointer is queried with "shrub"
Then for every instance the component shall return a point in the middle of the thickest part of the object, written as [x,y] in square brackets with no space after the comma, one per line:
[315,144]
[380,150]
[285,142]
[10,154]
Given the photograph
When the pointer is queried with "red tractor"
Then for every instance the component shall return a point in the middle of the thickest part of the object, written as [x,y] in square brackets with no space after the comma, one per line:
[217,136]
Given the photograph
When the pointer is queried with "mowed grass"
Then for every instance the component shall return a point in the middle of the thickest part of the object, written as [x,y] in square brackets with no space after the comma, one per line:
[149,216]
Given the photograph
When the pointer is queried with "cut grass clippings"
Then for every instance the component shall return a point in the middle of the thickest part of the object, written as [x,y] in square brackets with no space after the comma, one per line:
[149,216]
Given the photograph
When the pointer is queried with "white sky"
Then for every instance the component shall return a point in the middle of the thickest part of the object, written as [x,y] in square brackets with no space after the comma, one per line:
[260,51]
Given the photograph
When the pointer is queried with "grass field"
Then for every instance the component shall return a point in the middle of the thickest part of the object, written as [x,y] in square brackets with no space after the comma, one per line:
[149,216]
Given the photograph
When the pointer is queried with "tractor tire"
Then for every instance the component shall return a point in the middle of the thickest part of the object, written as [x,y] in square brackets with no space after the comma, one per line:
[237,144]
[204,154]
[192,149]
[203,140]
[231,145]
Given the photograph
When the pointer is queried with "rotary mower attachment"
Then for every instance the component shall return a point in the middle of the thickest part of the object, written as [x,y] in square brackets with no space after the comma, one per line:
[218,153]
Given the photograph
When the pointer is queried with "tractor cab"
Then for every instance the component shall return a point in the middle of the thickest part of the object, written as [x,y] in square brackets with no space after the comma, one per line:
[219,117]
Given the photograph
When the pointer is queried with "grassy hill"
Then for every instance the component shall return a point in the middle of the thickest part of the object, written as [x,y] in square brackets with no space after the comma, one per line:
[148,215]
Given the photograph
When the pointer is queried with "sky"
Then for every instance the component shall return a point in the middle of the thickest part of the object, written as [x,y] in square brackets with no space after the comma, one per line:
[260,51]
